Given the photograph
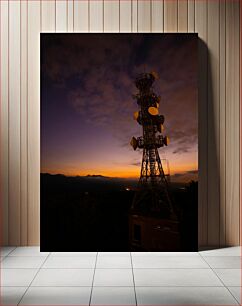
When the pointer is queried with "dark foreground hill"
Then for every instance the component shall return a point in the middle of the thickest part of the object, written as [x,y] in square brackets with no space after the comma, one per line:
[91,213]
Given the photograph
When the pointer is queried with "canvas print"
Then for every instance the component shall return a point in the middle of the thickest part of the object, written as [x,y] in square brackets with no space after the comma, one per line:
[119,142]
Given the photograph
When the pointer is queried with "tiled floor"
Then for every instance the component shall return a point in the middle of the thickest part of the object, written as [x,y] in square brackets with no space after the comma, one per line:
[29,277]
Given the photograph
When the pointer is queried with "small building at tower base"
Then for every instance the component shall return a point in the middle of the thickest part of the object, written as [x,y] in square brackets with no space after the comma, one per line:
[153,234]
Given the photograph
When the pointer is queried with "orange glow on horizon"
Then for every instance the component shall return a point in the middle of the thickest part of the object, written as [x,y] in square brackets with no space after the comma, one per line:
[130,172]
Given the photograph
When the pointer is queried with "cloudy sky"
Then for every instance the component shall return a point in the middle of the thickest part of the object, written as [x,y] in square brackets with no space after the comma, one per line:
[87,82]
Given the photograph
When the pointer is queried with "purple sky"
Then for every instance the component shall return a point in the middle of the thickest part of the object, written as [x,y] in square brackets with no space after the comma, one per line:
[87,106]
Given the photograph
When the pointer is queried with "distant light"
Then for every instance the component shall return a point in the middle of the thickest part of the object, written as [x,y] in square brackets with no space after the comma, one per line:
[127,189]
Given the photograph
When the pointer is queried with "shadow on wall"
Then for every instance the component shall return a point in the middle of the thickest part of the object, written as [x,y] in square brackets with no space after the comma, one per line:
[209,227]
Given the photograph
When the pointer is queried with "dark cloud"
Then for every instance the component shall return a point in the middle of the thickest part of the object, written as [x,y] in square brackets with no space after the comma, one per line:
[192,172]
[178,175]
[181,150]
[185,176]
[138,164]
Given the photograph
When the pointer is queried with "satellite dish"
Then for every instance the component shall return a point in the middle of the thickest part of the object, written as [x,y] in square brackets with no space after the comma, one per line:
[136,115]
[134,143]
[166,140]
[153,111]
[155,75]
[160,128]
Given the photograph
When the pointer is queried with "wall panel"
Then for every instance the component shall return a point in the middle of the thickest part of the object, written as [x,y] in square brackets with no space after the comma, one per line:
[201,28]
[217,24]
[144,16]
[232,122]
[171,15]
[111,15]
[157,16]
[47,16]
[96,16]
[23,124]
[134,20]
[34,27]
[125,15]
[222,121]
[70,15]
[182,15]
[14,122]
[213,123]
[81,15]
[4,122]
[61,15]
[191,15]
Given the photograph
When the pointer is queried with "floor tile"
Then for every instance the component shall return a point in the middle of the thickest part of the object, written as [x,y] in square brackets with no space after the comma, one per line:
[4,251]
[175,277]
[236,292]
[168,262]
[113,296]
[184,296]
[113,277]
[17,277]
[64,277]
[166,254]
[114,262]
[28,251]
[11,295]
[231,262]
[114,254]
[230,251]
[23,262]
[57,296]
[73,254]
[230,277]
[70,262]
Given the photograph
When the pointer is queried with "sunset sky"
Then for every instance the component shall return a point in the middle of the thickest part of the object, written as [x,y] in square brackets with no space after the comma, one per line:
[87,82]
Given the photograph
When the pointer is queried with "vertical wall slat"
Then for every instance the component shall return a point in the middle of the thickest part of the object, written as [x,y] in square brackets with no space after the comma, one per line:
[201,28]
[157,14]
[4,123]
[33,121]
[191,16]
[61,15]
[111,16]
[171,15]
[182,15]
[81,16]
[23,125]
[232,122]
[70,16]
[48,16]
[240,147]
[144,16]
[222,120]
[14,122]
[125,15]
[96,16]
[134,19]
[213,123]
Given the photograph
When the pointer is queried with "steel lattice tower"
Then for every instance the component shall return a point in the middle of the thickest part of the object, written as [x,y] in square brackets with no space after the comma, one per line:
[152,195]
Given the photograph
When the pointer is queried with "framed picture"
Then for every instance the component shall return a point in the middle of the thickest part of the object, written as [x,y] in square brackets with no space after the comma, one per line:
[119,142]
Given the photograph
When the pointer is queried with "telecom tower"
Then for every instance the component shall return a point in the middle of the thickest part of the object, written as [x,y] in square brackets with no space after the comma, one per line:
[152,210]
